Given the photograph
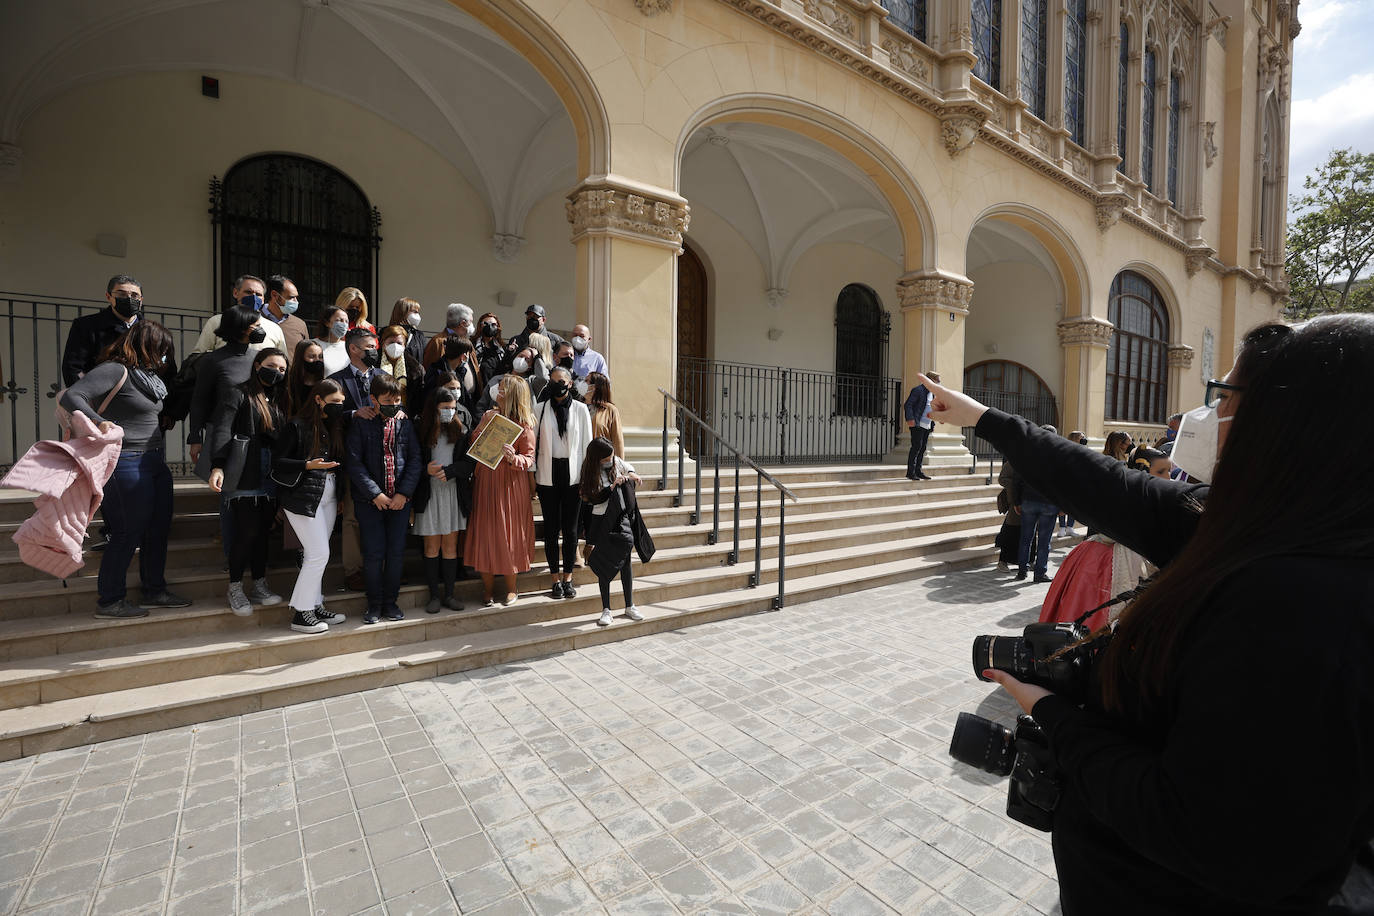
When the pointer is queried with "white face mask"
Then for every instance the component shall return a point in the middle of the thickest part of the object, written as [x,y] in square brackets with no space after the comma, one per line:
[1195,447]
[413,319]
[579,344]
[446,414]
[520,365]
[582,389]
[394,350]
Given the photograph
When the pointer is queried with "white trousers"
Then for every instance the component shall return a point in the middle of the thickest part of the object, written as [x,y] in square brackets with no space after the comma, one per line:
[314,536]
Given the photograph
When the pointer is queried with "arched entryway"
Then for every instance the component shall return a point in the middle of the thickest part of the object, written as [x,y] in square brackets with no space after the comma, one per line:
[693,341]
[1013,388]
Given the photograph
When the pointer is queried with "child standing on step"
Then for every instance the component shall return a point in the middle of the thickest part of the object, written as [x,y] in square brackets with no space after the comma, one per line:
[443,499]
[382,458]
[614,525]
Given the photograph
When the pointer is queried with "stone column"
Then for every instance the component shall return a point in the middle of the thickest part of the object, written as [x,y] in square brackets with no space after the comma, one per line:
[934,305]
[1084,402]
[1180,361]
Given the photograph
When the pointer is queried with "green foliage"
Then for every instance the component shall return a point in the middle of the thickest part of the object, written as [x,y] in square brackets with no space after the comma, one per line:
[1331,238]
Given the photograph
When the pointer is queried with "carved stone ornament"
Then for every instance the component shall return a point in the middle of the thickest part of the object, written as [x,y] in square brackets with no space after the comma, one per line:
[959,127]
[624,211]
[1180,356]
[775,294]
[1109,210]
[1085,332]
[10,158]
[1209,145]
[505,247]
[1217,27]
[935,292]
[654,7]
[1196,259]
[906,59]
[829,13]
[1273,61]
[1078,161]
[1294,27]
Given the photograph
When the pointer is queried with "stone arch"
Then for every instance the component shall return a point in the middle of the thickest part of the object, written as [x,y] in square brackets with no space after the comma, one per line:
[1073,271]
[881,165]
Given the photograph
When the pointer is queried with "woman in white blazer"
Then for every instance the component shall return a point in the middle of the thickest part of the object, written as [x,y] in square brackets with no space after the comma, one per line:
[563,427]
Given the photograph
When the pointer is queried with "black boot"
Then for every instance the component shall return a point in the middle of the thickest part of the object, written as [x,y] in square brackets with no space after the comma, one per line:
[432,577]
[450,601]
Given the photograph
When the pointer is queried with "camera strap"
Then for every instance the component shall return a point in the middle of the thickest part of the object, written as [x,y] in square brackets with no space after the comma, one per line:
[1128,595]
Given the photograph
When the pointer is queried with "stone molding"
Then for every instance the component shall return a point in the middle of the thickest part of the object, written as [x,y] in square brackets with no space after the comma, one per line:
[959,127]
[505,247]
[831,14]
[1085,332]
[1109,210]
[938,292]
[654,7]
[1196,259]
[607,207]
[905,58]
[1180,356]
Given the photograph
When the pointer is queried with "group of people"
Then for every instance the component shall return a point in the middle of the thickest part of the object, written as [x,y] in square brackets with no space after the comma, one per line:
[367,426]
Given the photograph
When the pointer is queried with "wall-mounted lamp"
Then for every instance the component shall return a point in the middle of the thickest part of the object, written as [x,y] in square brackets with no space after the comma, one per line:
[991,346]
[774,333]
[505,298]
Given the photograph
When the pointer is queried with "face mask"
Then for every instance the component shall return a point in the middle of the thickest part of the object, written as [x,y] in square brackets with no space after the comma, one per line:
[566,362]
[582,388]
[257,336]
[252,300]
[531,324]
[394,350]
[372,358]
[446,414]
[559,389]
[579,344]
[335,411]
[520,365]
[289,306]
[413,319]
[314,368]
[128,307]
[488,330]
[339,329]
[1195,448]
[164,359]
[353,315]
[389,410]
[607,465]
[270,377]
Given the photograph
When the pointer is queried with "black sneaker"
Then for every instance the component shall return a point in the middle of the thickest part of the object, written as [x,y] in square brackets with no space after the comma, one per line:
[329,617]
[120,610]
[393,613]
[371,616]
[557,590]
[1039,579]
[569,590]
[1020,575]
[307,622]
[164,598]
[433,606]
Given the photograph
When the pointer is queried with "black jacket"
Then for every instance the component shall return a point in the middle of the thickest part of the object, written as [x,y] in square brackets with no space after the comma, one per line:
[292,449]
[363,459]
[458,474]
[87,339]
[616,531]
[1255,786]
[238,417]
[218,374]
[356,396]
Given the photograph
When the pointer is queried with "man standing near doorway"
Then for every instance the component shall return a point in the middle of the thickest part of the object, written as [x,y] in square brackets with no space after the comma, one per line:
[585,359]
[282,301]
[91,334]
[918,421]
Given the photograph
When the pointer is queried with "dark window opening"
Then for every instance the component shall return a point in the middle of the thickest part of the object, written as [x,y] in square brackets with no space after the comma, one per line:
[1137,361]
[862,328]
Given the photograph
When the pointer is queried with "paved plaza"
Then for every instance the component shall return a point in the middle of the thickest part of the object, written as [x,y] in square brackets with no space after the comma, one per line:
[787,762]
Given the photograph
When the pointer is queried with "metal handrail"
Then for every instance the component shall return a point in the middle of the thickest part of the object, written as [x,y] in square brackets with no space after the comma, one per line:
[684,414]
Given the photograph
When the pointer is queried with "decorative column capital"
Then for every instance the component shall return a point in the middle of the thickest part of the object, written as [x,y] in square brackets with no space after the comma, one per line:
[1109,210]
[935,291]
[959,126]
[11,155]
[1196,258]
[505,246]
[1180,356]
[775,294]
[1085,332]
[607,206]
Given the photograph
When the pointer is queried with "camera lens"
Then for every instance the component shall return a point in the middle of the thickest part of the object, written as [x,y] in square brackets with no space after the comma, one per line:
[982,743]
[1001,652]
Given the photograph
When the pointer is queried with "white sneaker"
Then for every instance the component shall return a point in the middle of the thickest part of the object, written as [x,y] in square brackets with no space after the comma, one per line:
[1070,532]
[605,619]
[259,593]
[632,612]
[238,601]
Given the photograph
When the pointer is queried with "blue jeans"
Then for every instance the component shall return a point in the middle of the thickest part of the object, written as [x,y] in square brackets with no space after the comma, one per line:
[383,537]
[138,513]
[1037,521]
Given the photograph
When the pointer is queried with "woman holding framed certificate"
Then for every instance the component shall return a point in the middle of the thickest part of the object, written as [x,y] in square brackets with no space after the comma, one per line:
[501,532]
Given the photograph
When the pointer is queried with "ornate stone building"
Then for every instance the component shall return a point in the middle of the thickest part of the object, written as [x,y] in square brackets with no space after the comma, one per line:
[1079,202]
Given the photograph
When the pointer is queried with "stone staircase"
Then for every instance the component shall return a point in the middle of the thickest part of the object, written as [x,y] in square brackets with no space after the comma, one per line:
[68,679]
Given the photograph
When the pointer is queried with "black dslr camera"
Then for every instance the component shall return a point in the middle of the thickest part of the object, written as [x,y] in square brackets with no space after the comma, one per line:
[1031,657]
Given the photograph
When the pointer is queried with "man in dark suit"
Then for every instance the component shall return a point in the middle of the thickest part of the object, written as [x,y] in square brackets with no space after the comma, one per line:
[91,334]
[918,421]
[356,380]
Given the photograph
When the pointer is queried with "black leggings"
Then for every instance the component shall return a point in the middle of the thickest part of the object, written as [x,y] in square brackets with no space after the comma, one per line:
[560,505]
[253,517]
[627,585]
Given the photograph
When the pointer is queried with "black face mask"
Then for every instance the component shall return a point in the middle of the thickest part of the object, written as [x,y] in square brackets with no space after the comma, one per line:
[335,411]
[389,410]
[257,336]
[559,389]
[488,330]
[352,316]
[270,377]
[531,324]
[566,362]
[314,368]
[127,307]
[372,357]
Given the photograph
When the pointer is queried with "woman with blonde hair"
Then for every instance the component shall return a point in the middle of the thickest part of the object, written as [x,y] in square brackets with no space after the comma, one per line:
[544,348]
[501,531]
[605,415]
[354,304]
[1118,445]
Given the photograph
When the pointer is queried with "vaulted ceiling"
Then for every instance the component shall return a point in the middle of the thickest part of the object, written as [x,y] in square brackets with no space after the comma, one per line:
[421,64]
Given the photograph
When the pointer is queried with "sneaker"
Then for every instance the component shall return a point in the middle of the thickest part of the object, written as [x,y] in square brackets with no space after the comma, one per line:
[1070,532]
[557,590]
[452,603]
[238,601]
[1039,579]
[259,593]
[120,610]
[510,599]
[433,605]
[329,617]
[393,613]
[1002,566]
[632,612]
[605,619]
[569,591]
[371,616]
[1020,575]
[488,602]
[165,598]
[307,622]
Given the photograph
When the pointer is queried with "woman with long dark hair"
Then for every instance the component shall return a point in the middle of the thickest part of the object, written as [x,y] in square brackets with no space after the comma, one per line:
[612,517]
[254,417]
[333,329]
[605,415]
[443,500]
[307,371]
[306,457]
[1223,762]
[131,383]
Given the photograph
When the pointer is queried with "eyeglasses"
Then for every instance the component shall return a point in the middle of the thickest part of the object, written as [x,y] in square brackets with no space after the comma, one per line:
[1214,389]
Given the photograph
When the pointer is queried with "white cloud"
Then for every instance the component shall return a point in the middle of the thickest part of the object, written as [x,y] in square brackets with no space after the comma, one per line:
[1342,116]
[1320,20]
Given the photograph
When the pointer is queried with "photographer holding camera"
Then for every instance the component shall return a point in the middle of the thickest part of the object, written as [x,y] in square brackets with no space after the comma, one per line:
[1221,756]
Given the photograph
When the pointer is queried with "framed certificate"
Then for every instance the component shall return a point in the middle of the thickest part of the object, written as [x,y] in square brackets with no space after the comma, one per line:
[487,448]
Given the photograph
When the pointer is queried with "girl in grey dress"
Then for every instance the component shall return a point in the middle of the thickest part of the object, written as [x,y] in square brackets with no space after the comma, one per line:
[443,500]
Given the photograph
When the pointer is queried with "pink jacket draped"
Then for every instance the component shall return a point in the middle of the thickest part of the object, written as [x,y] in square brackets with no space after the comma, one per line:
[69,478]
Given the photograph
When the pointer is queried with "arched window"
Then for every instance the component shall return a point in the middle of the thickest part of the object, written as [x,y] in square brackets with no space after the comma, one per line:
[1013,388]
[987,41]
[1147,123]
[1175,142]
[908,15]
[862,327]
[1034,38]
[1123,88]
[1271,201]
[277,214]
[1137,363]
[1076,70]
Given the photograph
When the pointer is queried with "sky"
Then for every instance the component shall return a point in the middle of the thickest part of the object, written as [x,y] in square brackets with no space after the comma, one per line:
[1333,84]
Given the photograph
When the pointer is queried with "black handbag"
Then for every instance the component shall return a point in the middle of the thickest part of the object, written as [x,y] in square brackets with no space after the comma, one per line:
[235,462]
[287,479]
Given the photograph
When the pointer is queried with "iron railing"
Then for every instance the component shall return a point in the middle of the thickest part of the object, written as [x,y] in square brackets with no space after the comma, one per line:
[689,425]
[793,416]
[35,332]
[1039,409]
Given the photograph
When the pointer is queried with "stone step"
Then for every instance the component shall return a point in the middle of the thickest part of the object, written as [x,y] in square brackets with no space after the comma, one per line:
[78,720]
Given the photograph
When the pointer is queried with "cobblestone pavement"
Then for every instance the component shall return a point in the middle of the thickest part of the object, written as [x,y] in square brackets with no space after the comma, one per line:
[785,762]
